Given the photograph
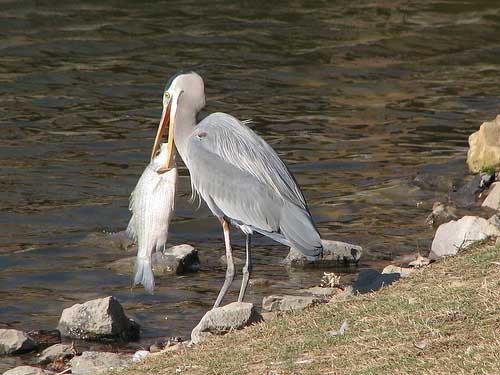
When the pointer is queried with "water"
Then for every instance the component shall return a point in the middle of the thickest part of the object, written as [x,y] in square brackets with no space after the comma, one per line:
[357,97]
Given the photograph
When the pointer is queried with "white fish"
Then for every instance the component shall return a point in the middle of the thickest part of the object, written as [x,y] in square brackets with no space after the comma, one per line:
[152,206]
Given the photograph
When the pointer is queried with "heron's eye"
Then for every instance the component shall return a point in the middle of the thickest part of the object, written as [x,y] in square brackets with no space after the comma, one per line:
[166,95]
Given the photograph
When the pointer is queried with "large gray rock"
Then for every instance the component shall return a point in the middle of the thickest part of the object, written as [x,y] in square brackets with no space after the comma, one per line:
[493,198]
[99,319]
[13,341]
[456,235]
[286,303]
[221,320]
[484,147]
[25,370]
[91,363]
[370,280]
[334,253]
[57,351]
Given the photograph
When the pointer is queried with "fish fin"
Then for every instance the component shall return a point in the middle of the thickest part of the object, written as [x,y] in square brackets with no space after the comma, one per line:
[143,274]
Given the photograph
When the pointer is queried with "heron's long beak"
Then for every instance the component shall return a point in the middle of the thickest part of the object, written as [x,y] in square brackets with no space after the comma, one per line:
[167,121]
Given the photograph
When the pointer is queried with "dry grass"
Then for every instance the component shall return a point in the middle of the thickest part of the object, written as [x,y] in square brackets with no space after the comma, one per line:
[443,320]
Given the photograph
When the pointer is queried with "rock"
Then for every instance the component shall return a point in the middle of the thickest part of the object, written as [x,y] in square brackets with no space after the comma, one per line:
[140,355]
[44,338]
[237,261]
[456,235]
[178,259]
[403,272]
[91,363]
[13,341]
[467,195]
[220,320]
[99,319]
[441,213]
[259,282]
[289,303]
[484,147]
[370,280]
[57,351]
[419,261]
[334,253]
[118,240]
[124,266]
[493,198]
[344,295]
[25,370]
[319,291]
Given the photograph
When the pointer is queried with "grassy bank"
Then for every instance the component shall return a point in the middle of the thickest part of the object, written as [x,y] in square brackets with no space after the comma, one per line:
[445,319]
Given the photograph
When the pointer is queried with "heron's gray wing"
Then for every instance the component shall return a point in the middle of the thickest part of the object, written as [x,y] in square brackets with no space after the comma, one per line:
[239,146]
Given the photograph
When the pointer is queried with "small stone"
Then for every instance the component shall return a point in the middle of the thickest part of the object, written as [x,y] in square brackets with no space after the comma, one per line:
[13,341]
[259,282]
[25,370]
[342,330]
[285,303]
[221,320]
[441,213]
[54,352]
[140,355]
[91,363]
[419,261]
[156,347]
[124,266]
[403,272]
[178,259]
[343,296]
[334,253]
[370,280]
[237,261]
[493,198]
[456,235]
[484,147]
[99,319]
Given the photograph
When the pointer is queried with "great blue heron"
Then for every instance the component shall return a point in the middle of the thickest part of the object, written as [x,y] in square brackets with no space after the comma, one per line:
[238,175]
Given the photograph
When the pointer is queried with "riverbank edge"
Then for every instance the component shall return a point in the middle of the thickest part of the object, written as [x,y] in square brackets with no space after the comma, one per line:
[443,319]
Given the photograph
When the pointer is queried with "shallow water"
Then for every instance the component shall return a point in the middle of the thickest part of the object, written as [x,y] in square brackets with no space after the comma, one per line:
[357,97]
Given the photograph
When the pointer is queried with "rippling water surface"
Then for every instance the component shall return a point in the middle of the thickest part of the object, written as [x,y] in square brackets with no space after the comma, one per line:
[358,97]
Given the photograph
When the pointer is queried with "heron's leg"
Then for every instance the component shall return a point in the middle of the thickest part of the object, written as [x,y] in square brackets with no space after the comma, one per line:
[246,270]
[230,264]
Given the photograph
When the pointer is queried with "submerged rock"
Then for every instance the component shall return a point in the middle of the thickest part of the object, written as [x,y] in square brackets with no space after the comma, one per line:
[334,253]
[99,319]
[91,363]
[221,320]
[26,370]
[457,235]
[484,147]
[370,280]
[54,352]
[13,341]
[178,259]
[493,198]
[285,303]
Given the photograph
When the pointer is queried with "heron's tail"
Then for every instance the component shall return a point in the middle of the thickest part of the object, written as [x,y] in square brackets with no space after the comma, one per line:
[143,274]
[297,227]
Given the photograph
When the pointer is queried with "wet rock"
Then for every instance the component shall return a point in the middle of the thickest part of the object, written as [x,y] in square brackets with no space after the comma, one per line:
[457,235]
[319,291]
[55,352]
[441,213]
[25,370]
[178,259]
[221,320]
[493,198]
[403,272]
[45,338]
[237,261]
[118,240]
[91,363]
[124,266]
[370,280]
[285,303]
[334,253]
[13,341]
[259,282]
[467,195]
[99,319]
[484,147]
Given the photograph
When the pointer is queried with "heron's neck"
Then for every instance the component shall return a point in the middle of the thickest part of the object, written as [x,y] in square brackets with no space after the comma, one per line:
[185,119]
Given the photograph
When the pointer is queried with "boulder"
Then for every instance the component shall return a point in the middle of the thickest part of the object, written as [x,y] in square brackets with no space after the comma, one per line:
[13,341]
[99,319]
[25,370]
[178,259]
[370,280]
[286,303]
[484,147]
[221,320]
[441,213]
[334,253]
[456,235]
[57,351]
[493,198]
[91,363]
[403,272]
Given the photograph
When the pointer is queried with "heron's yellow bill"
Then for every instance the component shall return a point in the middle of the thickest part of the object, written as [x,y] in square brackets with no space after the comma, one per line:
[167,121]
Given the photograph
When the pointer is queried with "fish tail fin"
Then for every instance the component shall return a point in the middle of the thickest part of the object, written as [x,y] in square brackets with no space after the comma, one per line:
[143,274]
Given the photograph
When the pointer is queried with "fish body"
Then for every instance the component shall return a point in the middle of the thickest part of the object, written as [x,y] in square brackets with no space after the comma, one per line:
[152,206]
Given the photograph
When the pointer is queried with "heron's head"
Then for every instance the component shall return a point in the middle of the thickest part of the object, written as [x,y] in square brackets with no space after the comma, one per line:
[186,91]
